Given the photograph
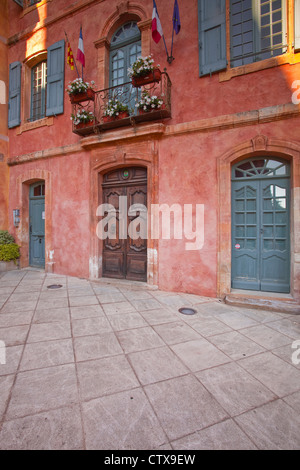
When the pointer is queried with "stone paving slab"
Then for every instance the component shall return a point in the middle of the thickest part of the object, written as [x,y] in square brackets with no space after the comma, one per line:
[114,365]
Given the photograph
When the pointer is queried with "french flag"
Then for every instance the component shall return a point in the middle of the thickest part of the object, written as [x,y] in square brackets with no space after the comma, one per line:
[80,51]
[157,31]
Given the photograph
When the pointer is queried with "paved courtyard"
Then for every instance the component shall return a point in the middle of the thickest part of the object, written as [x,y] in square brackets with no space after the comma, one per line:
[99,365]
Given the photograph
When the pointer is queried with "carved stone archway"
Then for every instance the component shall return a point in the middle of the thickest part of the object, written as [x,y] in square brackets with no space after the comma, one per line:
[259,145]
[143,153]
[22,234]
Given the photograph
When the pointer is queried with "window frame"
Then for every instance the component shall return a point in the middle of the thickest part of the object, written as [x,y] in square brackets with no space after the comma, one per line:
[290,56]
[42,110]
[124,46]
[256,35]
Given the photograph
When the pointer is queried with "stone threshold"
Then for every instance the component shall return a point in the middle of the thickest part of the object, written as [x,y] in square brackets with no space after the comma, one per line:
[133,285]
[283,303]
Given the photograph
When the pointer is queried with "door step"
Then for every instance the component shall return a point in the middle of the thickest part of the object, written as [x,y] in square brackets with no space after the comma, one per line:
[276,304]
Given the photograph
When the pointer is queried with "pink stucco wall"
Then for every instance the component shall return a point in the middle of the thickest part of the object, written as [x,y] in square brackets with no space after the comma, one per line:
[187,159]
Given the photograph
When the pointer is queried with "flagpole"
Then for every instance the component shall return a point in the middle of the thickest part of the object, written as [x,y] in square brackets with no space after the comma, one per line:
[81,63]
[73,60]
[170,59]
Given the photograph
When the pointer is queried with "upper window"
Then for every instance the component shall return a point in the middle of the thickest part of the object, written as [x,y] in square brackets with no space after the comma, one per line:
[124,50]
[47,87]
[26,3]
[235,33]
[38,91]
[256,30]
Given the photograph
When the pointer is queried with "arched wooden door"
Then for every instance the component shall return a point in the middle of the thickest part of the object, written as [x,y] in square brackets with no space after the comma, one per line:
[260,225]
[125,255]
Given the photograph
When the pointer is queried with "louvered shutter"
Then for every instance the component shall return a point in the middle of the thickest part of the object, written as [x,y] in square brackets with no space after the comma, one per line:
[212,35]
[297,25]
[14,101]
[55,78]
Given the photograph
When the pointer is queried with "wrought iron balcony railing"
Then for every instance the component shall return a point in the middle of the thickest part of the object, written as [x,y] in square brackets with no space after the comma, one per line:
[129,96]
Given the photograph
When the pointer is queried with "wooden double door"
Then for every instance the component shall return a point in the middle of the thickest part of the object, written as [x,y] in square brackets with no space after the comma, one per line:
[125,252]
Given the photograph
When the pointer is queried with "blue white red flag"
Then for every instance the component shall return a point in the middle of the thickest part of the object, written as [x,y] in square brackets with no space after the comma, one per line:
[80,51]
[176,18]
[157,31]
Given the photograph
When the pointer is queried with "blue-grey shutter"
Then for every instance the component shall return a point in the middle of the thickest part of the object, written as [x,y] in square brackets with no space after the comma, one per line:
[19,2]
[14,94]
[297,24]
[212,35]
[55,78]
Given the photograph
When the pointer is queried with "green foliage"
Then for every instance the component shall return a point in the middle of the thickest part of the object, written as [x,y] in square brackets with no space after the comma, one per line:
[9,252]
[6,238]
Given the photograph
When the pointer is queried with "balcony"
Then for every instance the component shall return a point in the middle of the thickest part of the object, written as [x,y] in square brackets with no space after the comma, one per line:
[128,95]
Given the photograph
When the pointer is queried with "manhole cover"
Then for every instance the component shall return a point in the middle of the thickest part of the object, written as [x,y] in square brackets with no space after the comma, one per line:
[187,311]
[54,286]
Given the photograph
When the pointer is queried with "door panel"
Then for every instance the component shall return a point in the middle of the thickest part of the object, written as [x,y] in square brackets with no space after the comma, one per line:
[260,235]
[245,261]
[114,248]
[137,221]
[275,256]
[37,232]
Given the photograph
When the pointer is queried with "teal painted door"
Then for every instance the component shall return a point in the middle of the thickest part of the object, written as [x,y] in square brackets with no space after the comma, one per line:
[260,226]
[37,225]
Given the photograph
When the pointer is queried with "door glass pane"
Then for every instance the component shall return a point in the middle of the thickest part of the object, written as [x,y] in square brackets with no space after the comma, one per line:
[251,231]
[251,218]
[261,167]
[280,245]
[250,244]
[268,245]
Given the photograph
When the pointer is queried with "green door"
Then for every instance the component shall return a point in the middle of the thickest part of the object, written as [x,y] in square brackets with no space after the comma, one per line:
[260,225]
[37,225]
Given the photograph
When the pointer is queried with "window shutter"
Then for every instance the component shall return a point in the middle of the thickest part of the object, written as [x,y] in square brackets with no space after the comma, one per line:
[297,24]
[55,78]
[14,103]
[212,35]
[19,2]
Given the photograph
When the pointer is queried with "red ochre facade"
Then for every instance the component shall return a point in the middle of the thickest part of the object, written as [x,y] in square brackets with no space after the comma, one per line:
[216,121]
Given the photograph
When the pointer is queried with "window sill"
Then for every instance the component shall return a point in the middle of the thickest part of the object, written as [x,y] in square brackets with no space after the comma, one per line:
[230,73]
[48,121]
[29,8]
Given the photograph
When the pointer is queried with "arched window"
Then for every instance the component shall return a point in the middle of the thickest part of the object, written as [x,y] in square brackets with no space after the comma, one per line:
[124,50]
[261,167]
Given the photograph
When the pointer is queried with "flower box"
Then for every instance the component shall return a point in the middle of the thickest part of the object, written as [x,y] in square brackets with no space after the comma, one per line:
[151,77]
[121,115]
[88,95]
[9,265]
[84,125]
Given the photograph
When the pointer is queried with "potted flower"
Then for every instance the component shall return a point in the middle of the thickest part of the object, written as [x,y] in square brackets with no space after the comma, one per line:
[82,118]
[143,71]
[115,109]
[9,252]
[149,103]
[79,91]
